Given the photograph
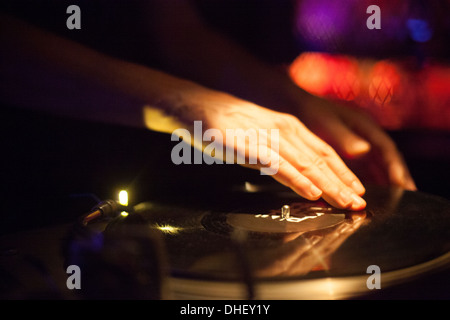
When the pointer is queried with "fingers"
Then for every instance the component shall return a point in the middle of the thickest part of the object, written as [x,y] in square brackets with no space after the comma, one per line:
[398,172]
[343,138]
[305,163]
[288,175]
[317,170]
[312,168]
[393,162]
[336,168]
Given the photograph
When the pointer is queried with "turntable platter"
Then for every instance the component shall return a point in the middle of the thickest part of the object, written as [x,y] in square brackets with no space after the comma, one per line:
[253,251]
[319,252]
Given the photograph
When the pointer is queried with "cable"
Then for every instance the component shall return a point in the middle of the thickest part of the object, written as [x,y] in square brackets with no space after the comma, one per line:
[105,209]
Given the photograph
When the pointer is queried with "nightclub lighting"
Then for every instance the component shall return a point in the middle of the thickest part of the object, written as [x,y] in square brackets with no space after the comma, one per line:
[394,94]
[390,72]
[420,30]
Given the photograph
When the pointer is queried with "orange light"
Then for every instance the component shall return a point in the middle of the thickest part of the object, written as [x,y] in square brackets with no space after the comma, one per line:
[311,72]
[326,75]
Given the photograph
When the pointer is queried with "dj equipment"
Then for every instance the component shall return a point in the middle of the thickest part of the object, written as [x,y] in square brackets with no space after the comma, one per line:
[273,245]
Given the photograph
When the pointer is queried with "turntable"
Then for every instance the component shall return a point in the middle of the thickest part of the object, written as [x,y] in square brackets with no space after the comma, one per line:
[272,246]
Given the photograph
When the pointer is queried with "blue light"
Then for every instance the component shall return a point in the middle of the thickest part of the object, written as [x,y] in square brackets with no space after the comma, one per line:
[419,30]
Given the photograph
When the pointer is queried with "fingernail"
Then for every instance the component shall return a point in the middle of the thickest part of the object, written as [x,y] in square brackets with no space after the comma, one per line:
[315,192]
[411,186]
[358,202]
[358,187]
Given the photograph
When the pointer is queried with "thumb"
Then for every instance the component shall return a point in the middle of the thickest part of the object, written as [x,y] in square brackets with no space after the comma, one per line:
[345,140]
[354,146]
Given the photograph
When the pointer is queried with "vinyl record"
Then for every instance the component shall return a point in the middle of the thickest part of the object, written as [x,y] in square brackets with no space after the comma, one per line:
[317,252]
[257,250]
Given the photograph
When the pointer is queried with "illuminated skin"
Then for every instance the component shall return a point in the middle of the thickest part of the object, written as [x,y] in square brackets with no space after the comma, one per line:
[200,55]
[354,134]
[307,164]
[124,93]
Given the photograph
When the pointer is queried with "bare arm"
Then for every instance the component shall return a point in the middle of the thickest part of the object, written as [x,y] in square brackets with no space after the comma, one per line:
[201,53]
[44,71]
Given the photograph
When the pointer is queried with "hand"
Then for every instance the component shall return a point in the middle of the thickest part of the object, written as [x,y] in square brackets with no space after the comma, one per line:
[356,136]
[307,164]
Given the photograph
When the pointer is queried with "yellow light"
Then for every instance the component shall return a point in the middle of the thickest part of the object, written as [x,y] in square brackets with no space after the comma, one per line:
[124,214]
[123,198]
[168,229]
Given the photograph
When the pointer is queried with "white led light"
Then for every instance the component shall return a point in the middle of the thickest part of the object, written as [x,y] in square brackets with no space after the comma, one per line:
[123,198]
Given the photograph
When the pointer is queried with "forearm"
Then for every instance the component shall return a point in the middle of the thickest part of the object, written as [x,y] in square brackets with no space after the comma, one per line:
[42,71]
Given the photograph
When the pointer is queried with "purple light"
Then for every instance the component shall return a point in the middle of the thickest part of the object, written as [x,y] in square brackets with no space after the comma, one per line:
[323,22]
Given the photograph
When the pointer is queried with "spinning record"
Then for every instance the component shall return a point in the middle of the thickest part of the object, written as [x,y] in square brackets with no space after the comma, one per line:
[271,245]
[314,251]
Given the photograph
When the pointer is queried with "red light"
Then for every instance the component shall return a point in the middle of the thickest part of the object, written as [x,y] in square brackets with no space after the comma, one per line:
[327,75]
[384,82]
[396,95]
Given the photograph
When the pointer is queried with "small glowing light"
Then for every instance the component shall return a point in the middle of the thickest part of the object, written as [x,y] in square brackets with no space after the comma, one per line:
[124,214]
[249,187]
[123,198]
[168,229]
